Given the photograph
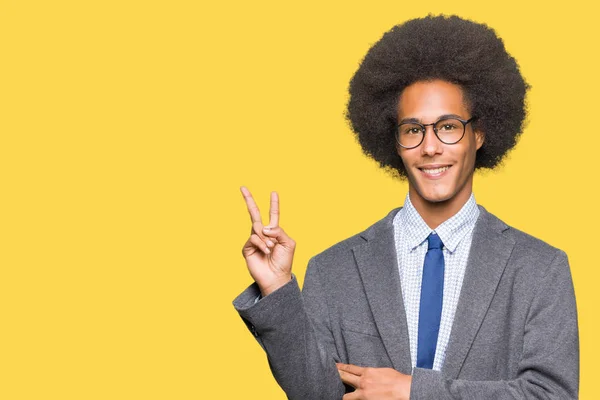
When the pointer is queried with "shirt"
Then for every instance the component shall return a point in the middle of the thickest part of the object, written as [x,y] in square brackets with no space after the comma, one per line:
[410,235]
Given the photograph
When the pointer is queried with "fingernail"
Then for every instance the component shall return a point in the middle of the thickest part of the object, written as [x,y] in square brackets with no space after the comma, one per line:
[269,243]
[267,228]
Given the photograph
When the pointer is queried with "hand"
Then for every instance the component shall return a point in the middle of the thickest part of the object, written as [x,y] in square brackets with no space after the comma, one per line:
[269,251]
[375,383]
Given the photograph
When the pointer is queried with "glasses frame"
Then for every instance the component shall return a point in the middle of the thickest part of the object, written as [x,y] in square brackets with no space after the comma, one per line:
[433,124]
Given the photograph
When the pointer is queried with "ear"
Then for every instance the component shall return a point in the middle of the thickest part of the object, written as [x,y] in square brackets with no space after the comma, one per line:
[479,139]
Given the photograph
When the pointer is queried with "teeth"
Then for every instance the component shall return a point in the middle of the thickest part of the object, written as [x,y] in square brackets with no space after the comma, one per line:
[435,171]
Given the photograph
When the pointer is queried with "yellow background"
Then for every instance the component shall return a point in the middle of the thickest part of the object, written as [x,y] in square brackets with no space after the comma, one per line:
[127,127]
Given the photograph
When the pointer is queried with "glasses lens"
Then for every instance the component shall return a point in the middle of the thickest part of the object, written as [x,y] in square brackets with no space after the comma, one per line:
[410,135]
[450,130]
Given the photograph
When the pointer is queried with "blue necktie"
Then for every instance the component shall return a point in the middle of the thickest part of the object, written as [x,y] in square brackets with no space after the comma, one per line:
[430,309]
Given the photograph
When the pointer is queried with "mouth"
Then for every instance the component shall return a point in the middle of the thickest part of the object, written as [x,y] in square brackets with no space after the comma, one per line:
[434,171]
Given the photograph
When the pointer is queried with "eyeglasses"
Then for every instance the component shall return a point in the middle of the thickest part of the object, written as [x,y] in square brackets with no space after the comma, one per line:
[448,130]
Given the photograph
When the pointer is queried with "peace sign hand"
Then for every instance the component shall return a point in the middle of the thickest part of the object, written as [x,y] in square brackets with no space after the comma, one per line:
[269,251]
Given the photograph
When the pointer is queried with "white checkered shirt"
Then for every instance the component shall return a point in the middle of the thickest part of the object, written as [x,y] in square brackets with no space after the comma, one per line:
[410,232]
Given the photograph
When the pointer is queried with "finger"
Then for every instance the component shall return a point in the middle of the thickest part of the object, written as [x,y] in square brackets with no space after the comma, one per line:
[259,244]
[274,210]
[279,235]
[349,379]
[258,229]
[353,369]
[352,396]
[251,204]
[249,248]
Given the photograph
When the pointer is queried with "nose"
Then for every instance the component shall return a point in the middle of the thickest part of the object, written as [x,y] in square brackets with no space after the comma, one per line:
[431,144]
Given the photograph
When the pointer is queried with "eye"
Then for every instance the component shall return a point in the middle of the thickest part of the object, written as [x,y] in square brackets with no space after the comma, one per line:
[410,129]
[448,125]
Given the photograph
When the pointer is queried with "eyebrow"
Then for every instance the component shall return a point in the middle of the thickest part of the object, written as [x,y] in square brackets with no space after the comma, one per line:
[418,121]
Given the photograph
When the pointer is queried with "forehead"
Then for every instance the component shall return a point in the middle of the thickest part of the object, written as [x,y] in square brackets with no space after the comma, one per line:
[427,100]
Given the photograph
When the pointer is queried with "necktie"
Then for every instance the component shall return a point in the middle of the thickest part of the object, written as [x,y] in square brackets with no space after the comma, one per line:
[430,308]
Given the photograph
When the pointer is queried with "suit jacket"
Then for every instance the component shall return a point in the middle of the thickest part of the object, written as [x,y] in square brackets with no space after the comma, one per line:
[514,334]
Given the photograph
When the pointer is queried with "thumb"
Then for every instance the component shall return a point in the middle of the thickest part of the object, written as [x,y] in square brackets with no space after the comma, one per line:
[279,234]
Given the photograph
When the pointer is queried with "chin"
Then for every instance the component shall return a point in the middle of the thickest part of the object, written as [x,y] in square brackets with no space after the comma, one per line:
[437,199]
[436,196]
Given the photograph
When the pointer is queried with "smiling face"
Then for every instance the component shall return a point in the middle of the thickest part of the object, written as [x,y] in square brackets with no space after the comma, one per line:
[439,175]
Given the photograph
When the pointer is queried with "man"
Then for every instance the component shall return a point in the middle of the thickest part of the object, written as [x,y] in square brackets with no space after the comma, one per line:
[439,299]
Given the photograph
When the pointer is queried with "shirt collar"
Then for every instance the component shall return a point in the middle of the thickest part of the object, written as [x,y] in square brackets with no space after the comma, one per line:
[451,231]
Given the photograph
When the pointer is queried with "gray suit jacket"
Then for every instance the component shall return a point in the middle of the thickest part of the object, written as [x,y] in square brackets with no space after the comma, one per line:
[514,335]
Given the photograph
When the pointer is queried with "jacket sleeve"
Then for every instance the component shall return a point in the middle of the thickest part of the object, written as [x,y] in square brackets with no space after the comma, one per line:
[293,329]
[549,367]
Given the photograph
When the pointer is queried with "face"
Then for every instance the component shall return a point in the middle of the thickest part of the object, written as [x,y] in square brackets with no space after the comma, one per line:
[438,172]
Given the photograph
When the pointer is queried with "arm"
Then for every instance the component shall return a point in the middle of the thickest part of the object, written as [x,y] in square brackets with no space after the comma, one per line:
[292,327]
[549,368]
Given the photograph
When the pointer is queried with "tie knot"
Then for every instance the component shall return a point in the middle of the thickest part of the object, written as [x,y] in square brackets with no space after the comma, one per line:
[434,242]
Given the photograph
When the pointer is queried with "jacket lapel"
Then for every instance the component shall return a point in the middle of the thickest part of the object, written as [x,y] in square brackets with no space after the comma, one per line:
[378,269]
[490,251]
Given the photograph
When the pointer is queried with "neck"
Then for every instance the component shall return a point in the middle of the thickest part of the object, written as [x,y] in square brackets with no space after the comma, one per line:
[435,213]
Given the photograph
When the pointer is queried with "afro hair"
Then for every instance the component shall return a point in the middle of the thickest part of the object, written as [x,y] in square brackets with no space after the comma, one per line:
[449,48]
